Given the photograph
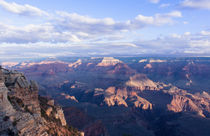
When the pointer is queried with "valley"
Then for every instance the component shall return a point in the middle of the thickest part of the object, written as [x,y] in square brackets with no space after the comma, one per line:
[127,96]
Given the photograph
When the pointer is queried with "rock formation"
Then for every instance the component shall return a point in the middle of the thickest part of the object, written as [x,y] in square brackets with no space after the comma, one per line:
[75,64]
[21,111]
[141,82]
[123,97]
[186,102]
[108,61]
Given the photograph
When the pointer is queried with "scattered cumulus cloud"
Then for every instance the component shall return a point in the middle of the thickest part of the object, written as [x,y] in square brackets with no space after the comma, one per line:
[78,23]
[186,43]
[187,33]
[71,27]
[85,19]
[197,4]
[35,33]
[205,33]
[159,19]
[74,34]
[26,10]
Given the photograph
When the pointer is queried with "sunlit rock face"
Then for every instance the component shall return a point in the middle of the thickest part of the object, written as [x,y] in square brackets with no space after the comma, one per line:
[186,102]
[141,82]
[75,64]
[108,61]
[123,97]
[9,64]
[19,96]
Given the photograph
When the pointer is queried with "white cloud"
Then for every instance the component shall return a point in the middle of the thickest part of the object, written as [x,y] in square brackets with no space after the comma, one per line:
[45,49]
[85,19]
[200,43]
[145,19]
[174,44]
[74,34]
[72,27]
[92,26]
[207,33]
[26,10]
[164,5]
[67,27]
[198,4]
[194,51]
[176,36]
[154,1]
[36,33]
[159,19]
[174,14]
[187,33]
[123,44]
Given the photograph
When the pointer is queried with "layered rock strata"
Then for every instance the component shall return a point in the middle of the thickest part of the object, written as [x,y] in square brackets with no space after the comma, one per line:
[21,112]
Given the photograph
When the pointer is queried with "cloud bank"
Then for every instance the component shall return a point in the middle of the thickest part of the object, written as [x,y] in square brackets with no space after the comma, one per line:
[73,34]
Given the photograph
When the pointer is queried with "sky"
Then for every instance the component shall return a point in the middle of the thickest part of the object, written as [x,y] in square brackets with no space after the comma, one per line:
[54,28]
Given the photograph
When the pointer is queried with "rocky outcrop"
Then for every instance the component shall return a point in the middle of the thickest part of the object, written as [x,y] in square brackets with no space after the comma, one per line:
[52,112]
[141,82]
[186,102]
[75,64]
[60,116]
[21,89]
[182,103]
[111,99]
[123,97]
[72,98]
[19,116]
[147,94]
[140,102]
[21,112]
[9,64]
[108,61]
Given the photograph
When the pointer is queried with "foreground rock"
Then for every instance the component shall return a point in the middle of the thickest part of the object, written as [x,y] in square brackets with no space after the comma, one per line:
[23,113]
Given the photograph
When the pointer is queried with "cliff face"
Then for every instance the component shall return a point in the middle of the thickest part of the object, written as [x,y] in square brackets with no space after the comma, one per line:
[108,61]
[23,113]
[141,82]
[183,101]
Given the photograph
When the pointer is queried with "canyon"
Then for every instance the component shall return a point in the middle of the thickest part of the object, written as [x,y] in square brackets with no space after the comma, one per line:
[121,96]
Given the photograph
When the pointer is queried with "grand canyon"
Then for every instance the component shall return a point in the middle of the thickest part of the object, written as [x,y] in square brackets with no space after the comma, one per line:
[121,96]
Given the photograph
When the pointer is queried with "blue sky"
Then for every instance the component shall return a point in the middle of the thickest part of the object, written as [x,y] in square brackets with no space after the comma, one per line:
[46,28]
